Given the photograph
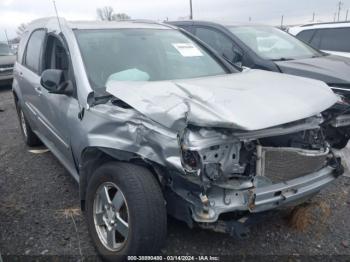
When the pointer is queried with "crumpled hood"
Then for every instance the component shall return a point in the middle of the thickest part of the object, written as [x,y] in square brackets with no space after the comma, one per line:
[248,101]
[330,69]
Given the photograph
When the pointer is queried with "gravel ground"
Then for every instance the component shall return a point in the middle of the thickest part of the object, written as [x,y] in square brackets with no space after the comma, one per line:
[39,212]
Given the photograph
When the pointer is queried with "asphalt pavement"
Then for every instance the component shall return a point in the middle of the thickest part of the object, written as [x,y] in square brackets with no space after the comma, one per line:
[39,212]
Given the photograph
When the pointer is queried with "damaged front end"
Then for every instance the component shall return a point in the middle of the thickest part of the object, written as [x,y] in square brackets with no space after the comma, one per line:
[252,171]
[220,158]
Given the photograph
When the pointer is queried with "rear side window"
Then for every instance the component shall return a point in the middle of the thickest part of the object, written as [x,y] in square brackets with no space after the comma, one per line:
[306,35]
[34,50]
[335,39]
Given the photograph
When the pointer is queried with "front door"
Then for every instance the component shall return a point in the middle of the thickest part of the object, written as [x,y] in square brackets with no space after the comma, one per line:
[60,110]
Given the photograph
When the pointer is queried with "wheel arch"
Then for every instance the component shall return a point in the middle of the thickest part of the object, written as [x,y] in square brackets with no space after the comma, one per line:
[93,157]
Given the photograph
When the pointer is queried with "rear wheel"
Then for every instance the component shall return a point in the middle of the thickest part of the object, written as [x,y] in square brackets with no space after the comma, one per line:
[125,211]
[30,138]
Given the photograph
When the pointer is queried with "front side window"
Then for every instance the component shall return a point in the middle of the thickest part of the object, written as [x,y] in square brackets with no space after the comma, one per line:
[34,49]
[335,39]
[142,55]
[5,50]
[273,44]
[221,43]
[306,35]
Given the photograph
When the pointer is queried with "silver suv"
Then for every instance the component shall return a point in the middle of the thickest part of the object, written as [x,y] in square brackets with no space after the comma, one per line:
[149,120]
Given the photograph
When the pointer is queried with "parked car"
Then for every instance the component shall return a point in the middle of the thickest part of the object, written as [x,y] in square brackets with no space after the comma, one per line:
[7,60]
[148,119]
[333,38]
[269,48]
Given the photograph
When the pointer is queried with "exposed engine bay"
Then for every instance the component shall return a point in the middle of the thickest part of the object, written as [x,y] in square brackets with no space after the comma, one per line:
[255,171]
[219,161]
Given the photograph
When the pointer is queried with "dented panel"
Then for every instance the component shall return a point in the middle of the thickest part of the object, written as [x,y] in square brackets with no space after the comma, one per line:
[252,100]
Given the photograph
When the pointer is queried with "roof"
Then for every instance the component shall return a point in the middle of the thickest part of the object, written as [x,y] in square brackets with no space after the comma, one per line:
[116,24]
[297,29]
[52,23]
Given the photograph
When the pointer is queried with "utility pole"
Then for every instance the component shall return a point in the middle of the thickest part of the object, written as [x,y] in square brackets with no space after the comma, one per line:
[7,39]
[282,21]
[335,17]
[340,4]
[191,10]
[347,13]
[313,17]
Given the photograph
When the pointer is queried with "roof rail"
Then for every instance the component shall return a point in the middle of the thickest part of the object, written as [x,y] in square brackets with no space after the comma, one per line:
[145,21]
[148,21]
[327,23]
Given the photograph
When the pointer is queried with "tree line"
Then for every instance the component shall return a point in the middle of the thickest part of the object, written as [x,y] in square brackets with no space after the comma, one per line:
[106,13]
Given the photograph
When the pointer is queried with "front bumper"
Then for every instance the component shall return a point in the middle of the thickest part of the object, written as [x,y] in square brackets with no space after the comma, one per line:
[262,196]
[293,191]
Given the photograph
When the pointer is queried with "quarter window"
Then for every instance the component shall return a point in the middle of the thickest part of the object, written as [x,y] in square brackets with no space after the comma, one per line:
[34,50]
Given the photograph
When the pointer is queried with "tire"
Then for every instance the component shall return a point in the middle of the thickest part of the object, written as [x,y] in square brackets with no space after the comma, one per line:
[144,207]
[30,138]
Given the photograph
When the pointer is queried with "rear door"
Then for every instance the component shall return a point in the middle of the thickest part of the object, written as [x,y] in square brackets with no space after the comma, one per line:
[332,40]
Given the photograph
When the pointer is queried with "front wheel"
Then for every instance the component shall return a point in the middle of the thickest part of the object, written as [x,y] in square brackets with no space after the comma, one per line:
[30,138]
[125,211]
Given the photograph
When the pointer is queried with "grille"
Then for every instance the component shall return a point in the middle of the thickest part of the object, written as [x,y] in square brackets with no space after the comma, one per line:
[283,164]
[6,66]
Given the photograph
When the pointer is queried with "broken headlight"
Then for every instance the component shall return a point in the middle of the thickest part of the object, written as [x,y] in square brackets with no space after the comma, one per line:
[191,160]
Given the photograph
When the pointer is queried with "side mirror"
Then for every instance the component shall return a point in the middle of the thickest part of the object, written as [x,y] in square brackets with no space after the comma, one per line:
[53,81]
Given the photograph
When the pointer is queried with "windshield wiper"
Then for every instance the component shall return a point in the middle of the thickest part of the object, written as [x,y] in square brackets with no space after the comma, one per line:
[240,69]
[282,59]
[102,99]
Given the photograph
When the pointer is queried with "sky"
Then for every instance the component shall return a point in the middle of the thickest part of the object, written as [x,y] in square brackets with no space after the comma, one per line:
[15,12]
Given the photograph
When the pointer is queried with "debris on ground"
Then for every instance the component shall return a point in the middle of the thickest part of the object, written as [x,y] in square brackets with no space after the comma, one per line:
[69,212]
[304,216]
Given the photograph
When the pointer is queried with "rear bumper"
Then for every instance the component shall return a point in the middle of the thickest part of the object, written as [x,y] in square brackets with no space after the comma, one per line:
[6,73]
[6,77]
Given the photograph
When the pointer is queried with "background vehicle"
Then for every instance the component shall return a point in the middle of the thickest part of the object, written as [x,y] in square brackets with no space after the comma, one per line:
[268,48]
[271,49]
[148,119]
[333,38]
[7,60]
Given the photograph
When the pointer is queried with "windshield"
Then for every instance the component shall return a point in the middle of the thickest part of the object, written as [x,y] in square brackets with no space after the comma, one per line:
[142,55]
[273,44]
[5,50]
